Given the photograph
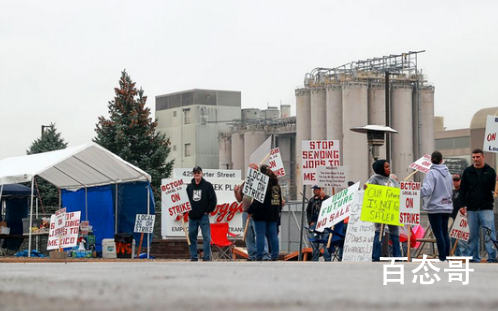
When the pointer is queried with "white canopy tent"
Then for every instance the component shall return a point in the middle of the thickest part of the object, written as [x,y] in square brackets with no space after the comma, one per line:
[74,168]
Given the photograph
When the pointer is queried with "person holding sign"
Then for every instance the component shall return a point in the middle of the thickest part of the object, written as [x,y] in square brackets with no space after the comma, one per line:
[203,201]
[436,192]
[312,211]
[476,189]
[382,171]
[457,205]
[266,216]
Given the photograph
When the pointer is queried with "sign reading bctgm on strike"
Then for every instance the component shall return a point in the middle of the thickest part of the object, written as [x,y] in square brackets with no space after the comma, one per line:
[174,198]
[423,164]
[490,142]
[316,153]
[255,185]
[144,223]
[409,203]
[275,163]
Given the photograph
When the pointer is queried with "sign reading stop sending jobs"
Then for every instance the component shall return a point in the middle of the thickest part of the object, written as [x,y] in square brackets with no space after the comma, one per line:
[490,143]
[317,153]
[409,203]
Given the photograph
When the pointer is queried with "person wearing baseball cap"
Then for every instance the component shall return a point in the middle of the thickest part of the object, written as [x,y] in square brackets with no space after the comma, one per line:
[312,211]
[203,201]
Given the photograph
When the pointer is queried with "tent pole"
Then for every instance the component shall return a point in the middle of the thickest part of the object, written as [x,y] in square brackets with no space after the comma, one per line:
[31,216]
[116,211]
[37,238]
[148,213]
[86,203]
[1,201]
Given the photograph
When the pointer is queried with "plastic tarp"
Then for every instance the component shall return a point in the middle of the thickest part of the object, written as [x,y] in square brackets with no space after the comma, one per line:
[15,190]
[16,210]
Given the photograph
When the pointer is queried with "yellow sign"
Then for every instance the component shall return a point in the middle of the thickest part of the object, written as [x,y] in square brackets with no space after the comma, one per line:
[381,205]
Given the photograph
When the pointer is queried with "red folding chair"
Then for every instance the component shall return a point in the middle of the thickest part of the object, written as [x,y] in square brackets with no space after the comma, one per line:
[220,241]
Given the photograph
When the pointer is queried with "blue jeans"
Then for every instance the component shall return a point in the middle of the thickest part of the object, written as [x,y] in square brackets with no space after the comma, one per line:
[439,225]
[476,219]
[377,245]
[193,229]
[250,237]
[461,246]
[266,229]
[317,240]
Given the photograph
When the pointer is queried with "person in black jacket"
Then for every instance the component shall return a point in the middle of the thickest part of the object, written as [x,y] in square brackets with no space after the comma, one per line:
[266,216]
[203,201]
[476,192]
[312,211]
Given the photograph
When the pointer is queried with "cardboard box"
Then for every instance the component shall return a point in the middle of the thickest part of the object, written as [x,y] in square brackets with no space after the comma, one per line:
[58,255]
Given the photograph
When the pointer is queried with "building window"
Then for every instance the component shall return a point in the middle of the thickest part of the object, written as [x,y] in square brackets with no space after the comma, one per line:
[187,118]
[174,114]
[174,147]
[187,150]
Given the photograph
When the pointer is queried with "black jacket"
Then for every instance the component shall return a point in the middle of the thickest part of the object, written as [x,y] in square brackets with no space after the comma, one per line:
[313,209]
[272,206]
[202,198]
[476,193]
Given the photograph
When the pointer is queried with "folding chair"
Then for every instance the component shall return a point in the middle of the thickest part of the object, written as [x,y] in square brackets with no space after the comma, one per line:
[220,241]
[337,243]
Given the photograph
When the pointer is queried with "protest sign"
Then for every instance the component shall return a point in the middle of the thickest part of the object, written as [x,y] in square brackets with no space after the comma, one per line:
[174,197]
[337,208]
[84,227]
[144,223]
[332,176]
[460,229]
[490,143]
[316,153]
[381,205]
[259,155]
[69,237]
[358,243]
[275,163]
[256,185]
[409,203]
[60,220]
[423,164]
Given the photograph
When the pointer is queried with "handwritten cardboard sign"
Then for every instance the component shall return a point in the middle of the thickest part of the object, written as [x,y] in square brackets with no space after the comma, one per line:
[60,220]
[315,153]
[409,203]
[358,243]
[381,205]
[69,237]
[256,185]
[335,209]
[144,223]
[423,164]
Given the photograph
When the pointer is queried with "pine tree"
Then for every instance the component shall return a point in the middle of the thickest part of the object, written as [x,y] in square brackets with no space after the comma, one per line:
[131,133]
[49,141]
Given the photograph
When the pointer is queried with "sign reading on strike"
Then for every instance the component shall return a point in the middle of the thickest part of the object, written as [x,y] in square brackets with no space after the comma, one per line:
[359,236]
[460,229]
[174,198]
[255,185]
[275,163]
[332,176]
[423,164]
[144,223]
[381,205]
[335,209]
[69,237]
[490,142]
[409,203]
[316,153]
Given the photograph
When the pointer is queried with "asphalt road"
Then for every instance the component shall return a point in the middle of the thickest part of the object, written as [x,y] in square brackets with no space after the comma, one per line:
[164,285]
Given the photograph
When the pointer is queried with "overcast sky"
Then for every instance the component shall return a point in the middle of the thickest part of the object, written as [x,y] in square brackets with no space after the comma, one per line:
[60,60]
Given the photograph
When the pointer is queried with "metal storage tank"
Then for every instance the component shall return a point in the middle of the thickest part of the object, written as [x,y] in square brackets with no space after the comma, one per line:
[238,152]
[250,114]
[285,111]
[318,114]
[271,113]
[355,113]
[225,151]
[334,112]
[252,141]
[402,121]
[303,131]
[427,123]
[377,111]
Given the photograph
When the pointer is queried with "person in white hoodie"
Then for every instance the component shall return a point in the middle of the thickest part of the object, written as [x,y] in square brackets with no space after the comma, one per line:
[437,193]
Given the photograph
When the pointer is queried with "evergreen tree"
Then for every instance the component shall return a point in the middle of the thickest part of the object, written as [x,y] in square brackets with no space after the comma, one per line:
[49,141]
[131,133]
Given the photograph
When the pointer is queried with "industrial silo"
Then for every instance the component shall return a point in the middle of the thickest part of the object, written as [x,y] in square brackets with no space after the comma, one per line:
[377,111]
[272,113]
[238,152]
[355,113]
[250,114]
[225,151]
[334,114]
[285,111]
[426,128]
[303,131]
[402,121]
[252,140]
[318,114]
